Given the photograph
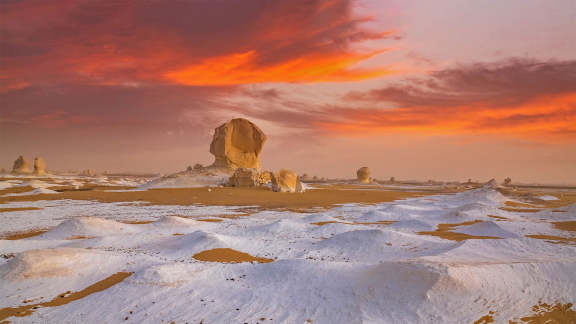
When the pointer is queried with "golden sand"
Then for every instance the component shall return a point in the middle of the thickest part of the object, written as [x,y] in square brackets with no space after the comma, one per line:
[498,218]
[263,197]
[520,210]
[566,226]
[354,223]
[515,204]
[23,235]
[550,314]
[228,256]
[211,220]
[79,237]
[486,319]
[553,239]
[330,222]
[565,198]
[445,231]
[3,210]
[15,190]
[64,298]
[136,222]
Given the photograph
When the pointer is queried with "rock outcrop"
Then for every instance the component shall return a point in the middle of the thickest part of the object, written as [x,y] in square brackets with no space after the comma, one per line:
[363,175]
[21,166]
[39,166]
[244,178]
[492,184]
[237,144]
[286,181]
[88,173]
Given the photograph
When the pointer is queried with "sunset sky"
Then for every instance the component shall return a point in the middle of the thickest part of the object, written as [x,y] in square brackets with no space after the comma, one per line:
[445,90]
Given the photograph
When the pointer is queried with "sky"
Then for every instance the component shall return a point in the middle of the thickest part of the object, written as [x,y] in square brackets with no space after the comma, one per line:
[443,90]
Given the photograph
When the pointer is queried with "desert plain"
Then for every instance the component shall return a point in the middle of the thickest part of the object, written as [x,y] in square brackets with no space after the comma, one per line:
[287,162]
[106,249]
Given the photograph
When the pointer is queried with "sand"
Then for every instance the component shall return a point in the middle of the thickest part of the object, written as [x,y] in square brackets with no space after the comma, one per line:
[550,314]
[23,234]
[566,226]
[262,197]
[5,210]
[445,231]
[240,255]
[554,239]
[64,298]
[228,256]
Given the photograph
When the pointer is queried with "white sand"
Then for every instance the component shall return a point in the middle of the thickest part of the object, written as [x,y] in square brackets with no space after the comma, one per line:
[336,273]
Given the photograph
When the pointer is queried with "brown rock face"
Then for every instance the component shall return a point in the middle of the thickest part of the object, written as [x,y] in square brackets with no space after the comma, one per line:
[363,175]
[39,166]
[237,144]
[87,173]
[243,177]
[21,166]
[286,181]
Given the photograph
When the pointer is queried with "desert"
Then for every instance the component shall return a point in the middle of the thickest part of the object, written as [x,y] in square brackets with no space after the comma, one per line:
[221,251]
[287,162]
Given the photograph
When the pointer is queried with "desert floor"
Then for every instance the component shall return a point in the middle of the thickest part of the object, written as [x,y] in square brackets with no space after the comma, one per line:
[102,250]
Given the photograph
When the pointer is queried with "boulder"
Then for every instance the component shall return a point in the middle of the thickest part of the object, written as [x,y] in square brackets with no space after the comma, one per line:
[244,177]
[363,175]
[264,177]
[88,173]
[198,166]
[21,166]
[237,144]
[39,166]
[286,181]
[492,184]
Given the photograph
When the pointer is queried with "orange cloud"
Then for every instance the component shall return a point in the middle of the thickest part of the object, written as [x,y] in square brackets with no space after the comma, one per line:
[517,97]
[243,68]
[204,43]
[542,117]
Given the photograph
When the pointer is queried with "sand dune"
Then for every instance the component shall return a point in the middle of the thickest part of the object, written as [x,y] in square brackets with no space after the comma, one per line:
[403,258]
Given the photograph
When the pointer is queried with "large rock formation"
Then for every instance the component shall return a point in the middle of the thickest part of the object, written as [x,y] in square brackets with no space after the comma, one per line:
[237,144]
[363,175]
[286,181]
[21,166]
[39,166]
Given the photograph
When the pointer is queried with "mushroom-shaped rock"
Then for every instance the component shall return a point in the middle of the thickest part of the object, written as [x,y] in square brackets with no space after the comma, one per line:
[237,144]
[363,175]
[21,166]
[286,181]
[39,166]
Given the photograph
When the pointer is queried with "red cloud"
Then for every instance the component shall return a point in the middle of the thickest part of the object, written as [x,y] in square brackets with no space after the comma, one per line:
[514,97]
[201,42]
